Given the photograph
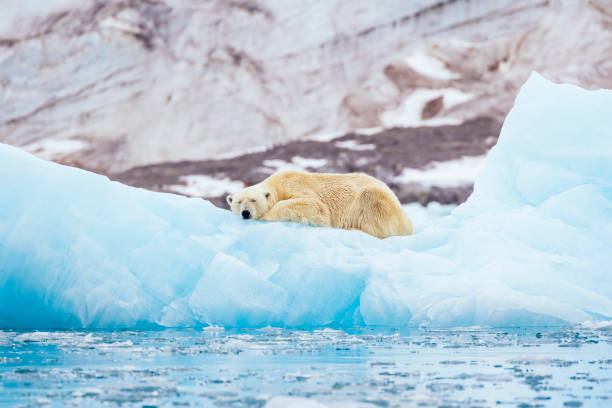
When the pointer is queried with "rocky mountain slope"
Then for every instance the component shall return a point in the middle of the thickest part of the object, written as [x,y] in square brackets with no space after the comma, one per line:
[390,155]
[111,85]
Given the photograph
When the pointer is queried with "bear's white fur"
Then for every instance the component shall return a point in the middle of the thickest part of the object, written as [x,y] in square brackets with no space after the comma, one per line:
[350,201]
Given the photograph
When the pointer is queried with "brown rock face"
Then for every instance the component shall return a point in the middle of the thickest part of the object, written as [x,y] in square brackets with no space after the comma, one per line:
[129,87]
[115,84]
[383,155]
[432,108]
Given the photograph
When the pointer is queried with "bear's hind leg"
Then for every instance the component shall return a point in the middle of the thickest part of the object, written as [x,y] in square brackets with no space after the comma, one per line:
[303,210]
[378,213]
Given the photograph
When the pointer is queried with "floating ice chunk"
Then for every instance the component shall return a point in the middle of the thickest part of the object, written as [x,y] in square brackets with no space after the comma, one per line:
[299,402]
[531,246]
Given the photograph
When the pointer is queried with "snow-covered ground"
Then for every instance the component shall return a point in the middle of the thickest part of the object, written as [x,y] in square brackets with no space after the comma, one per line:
[50,149]
[448,173]
[425,216]
[430,66]
[297,163]
[409,112]
[200,185]
[530,247]
[352,145]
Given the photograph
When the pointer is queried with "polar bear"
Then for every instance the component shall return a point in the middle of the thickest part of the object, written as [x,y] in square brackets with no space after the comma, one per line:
[352,201]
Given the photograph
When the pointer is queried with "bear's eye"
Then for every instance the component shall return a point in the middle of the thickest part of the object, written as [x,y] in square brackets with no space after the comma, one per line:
[239,201]
[252,201]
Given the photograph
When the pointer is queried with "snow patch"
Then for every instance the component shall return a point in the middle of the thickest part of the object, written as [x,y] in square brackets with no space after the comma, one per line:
[368,131]
[430,66]
[408,114]
[200,185]
[51,149]
[112,23]
[330,136]
[353,145]
[297,163]
[425,216]
[326,137]
[445,174]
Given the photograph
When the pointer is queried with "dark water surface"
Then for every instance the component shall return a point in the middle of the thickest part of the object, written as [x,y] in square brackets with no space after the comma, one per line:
[558,367]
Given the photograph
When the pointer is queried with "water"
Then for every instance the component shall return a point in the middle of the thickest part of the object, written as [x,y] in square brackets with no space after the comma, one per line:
[251,368]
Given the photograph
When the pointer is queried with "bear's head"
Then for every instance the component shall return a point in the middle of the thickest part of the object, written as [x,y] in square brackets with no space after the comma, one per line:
[251,202]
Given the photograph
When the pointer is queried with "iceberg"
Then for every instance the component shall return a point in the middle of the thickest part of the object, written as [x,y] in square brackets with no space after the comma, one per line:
[531,246]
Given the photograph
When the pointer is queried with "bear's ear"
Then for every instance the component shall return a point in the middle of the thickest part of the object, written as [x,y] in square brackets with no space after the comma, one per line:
[267,195]
[229,199]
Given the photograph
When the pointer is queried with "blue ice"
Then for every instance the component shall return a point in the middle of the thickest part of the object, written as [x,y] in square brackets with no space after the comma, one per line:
[531,246]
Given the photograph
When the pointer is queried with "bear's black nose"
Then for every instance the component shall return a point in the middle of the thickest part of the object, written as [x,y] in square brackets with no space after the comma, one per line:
[246,214]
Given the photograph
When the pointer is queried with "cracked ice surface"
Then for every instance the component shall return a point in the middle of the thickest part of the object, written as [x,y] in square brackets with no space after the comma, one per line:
[530,247]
